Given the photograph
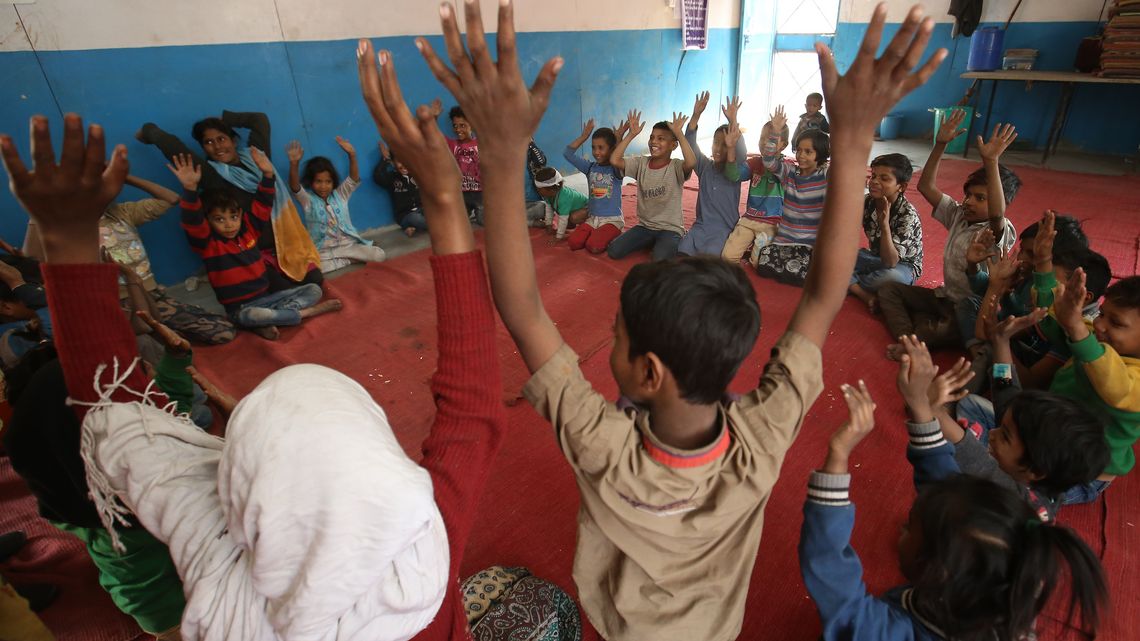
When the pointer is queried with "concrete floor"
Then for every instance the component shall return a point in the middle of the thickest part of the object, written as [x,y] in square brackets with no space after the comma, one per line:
[396,243]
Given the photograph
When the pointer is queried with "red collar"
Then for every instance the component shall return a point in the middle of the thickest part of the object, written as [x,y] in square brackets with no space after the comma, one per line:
[689,459]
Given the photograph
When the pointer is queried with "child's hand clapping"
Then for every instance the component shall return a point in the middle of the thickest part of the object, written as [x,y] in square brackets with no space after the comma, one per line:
[346,146]
[1043,242]
[183,168]
[950,128]
[1003,269]
[982,247]
[999,141]
[1010,326]
[262,162]
[66,199]
[1069,305]
[860,423]
[779,119]
[916,373]
[294,151]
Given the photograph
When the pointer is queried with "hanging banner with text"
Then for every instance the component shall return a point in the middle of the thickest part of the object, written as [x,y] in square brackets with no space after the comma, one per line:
[695,25]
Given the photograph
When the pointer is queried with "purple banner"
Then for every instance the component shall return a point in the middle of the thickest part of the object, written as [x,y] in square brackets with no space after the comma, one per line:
[694,24]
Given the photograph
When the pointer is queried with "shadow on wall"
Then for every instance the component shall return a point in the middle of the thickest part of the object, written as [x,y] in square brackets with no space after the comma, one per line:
[310,92]
[1101,118]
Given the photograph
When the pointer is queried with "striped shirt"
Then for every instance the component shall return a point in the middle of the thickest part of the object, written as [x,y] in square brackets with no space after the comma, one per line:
[803,197]
[234,266]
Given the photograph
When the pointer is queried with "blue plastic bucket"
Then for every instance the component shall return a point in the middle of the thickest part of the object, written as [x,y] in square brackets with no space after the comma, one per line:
[985,49]
[890,126]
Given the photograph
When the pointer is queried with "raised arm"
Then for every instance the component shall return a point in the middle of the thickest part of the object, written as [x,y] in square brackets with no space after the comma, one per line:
[506,114]
[256,122]
[350,151]
[295,153]
[587,130]
[859,100]
[677,126]
[617,156]
[991,151]
[950,129]
[154,189]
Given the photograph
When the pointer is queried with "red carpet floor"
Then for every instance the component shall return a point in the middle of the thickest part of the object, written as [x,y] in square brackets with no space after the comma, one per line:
[385,338]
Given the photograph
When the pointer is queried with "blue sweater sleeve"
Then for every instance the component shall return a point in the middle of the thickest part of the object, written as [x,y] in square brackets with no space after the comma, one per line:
[931,455]
[572,157]
[832,571]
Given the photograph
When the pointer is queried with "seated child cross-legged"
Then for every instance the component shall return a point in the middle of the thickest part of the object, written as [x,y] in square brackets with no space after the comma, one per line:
[605,221]
[673,493]
[562,201]
[324,205]
[893,230]
[764,206]
[930,313]
[788,256]
[1035,443]
[660,178]
[226,239]
[978,562]
[391,174]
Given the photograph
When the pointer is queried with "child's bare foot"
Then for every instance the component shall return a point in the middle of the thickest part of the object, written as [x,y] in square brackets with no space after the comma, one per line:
[410,231]
[895,351]
[270,333]
[869,298]
[333,305]
[873,304]
[225,402]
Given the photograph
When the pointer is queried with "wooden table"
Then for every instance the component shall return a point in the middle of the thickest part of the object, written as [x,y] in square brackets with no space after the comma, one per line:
[1068,80]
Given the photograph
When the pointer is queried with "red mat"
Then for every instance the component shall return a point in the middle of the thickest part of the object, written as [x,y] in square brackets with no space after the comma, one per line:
[385,338]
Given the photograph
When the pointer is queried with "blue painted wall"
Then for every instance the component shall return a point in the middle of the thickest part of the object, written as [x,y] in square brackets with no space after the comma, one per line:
[310,91]
[1101,119]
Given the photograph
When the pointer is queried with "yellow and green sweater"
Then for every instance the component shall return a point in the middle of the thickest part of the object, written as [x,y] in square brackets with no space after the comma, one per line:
[1100,379]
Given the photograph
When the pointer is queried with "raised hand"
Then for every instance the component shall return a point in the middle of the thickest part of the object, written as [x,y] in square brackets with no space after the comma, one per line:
[731,108]
[634,122]
[982,247]
[262,162]
[916,373]
[1003,269]
[779,119]
[66,199]
[699,104]
[951,127]
[1043,241]
[732,135]
[183,168]
[677,125]
[174,343]
[1069,304]
[619,131]
[1000,140]
[492,93]
[346,146]
[860,422]
[950,386]
[587,128]
[1010,326]
[294,151]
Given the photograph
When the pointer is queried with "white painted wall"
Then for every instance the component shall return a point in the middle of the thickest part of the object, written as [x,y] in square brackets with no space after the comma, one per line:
[992,10]
[69,25]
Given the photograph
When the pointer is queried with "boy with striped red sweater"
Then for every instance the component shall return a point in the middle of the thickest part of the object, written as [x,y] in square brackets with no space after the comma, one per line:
[226,239]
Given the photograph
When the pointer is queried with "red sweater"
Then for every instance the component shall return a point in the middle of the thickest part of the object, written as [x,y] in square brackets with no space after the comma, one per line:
[469,423]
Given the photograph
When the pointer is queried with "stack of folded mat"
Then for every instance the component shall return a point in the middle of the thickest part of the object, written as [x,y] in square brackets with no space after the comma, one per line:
[1120,57]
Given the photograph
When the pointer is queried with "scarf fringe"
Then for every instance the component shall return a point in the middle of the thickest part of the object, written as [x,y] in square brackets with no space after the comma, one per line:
[107,503]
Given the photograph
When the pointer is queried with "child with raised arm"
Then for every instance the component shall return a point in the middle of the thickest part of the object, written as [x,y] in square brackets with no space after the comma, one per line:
[788,256]
[379,565]
[393,175]
[930,313]
[226,239]
[764,207]
[660,178]
[672,495]
[720,175]
[324,207]
[605,221]
[978,562]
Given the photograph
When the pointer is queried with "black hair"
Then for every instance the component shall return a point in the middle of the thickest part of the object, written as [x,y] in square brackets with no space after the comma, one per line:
[456,112]
[1064,443]
[1069,236]
[899,165]
[987,565]
[544,174]
[1010,183]
[1098,273]
[199,130]
[723,129]
[606,134]
[664,126]
[316,165]
[815,94]
[1125,293]
[699,315]
[820,141]
[222,199]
